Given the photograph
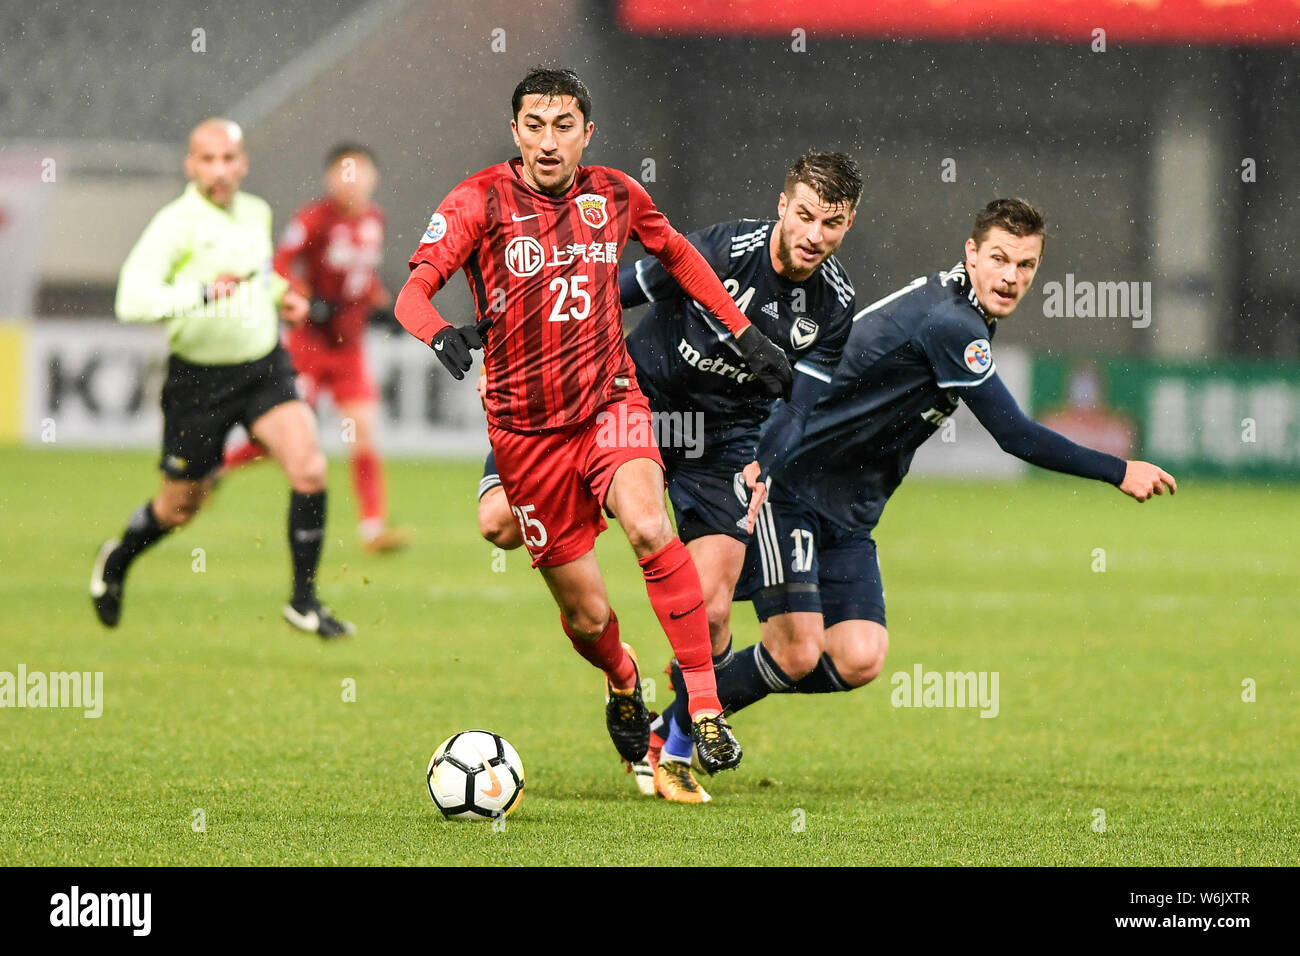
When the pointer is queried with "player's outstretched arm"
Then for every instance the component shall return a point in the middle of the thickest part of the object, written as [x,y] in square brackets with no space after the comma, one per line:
[1143,479]
[1037,444]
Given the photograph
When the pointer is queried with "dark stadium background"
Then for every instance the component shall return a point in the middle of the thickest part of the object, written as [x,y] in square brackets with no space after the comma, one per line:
[1134,153]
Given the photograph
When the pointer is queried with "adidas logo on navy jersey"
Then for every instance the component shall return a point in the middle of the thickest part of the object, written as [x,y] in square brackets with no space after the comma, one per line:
[772,309]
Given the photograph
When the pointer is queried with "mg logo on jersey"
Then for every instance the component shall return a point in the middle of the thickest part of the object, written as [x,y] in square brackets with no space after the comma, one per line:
[978,356]
[803,333]
[592,209]
[524,256]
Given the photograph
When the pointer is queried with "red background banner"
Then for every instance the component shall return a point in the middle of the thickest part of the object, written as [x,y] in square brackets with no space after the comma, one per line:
[1231,22]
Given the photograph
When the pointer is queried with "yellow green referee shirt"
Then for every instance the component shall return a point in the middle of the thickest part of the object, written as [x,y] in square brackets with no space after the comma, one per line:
[188,244]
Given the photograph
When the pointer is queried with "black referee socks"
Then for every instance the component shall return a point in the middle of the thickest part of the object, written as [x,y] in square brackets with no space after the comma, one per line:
[142,530]
[306,536]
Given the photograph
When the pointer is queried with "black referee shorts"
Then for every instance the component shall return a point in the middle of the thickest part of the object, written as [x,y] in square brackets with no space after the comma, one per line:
[201,403]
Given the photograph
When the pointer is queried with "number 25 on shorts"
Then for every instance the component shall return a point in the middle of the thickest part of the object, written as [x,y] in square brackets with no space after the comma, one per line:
[534,531]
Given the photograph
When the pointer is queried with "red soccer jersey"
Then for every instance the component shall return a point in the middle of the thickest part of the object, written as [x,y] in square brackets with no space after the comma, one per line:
[334,257]
[544,269]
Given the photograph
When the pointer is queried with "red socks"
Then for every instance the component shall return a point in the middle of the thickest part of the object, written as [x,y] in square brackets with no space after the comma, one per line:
[673,584]
[368,482]
[606,652]
[243,454]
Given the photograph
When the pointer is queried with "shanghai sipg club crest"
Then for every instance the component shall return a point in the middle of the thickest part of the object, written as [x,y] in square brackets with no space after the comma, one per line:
[592,209]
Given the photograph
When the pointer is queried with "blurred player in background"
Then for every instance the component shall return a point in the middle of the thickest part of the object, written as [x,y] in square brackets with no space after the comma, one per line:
[330,253]
[539,238]
[203,265]
[785,278]
[811,569]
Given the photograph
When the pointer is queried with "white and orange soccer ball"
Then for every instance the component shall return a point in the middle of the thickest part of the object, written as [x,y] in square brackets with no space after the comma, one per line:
[476,775]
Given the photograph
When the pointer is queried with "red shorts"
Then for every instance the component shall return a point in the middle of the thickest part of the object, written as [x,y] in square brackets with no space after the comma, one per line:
[340,371]
[556,480]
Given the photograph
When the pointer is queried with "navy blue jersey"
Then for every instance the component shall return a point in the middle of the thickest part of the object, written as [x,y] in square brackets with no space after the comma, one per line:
[906,362]
[687,361]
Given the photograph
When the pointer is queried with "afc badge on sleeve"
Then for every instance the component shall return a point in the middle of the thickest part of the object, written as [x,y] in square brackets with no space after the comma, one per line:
[436,229]
[979,356]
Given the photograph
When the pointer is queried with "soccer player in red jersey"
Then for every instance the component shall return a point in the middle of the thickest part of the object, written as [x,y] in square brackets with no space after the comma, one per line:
[329,253]
[539,238]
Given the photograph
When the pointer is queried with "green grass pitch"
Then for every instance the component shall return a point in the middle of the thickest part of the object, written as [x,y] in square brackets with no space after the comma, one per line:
[1120,691]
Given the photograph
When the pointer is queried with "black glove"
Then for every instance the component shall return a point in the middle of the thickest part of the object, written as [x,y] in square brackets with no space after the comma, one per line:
[452,347]
[766,361]
[320,312]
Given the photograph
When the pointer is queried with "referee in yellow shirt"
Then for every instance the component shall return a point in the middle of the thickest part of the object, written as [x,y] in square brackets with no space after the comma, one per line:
[203,266]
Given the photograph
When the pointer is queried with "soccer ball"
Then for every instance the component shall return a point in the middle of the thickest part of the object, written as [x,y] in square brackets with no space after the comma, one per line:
[475,775]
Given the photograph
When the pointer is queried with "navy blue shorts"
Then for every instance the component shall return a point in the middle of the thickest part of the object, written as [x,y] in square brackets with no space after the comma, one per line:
[708,493]
[796,561]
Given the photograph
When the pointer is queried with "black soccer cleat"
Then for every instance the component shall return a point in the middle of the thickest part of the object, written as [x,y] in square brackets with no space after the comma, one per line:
[715,744]
[627,718]
[106,587]
[315,618]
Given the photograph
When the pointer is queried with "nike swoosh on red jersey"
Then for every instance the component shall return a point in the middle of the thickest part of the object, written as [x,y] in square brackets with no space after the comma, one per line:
[522,218]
